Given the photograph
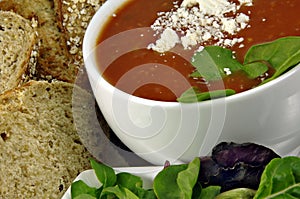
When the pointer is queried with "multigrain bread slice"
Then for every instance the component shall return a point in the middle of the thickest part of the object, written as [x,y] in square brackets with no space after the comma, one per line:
[17,42]
[74,17]
[40,150]
[54,61]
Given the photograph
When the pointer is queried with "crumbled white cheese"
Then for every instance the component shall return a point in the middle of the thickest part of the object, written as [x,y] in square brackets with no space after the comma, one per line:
[190,39]
[215,7]
[198,21]
[168,40]
[227,71]
[243,20]
[246,2]
[229,25]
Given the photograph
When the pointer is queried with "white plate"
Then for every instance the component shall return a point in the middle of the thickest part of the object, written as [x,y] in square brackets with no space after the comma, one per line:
[89,177]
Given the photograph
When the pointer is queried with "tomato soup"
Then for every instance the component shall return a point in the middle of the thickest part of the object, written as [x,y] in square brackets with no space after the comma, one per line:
[127,63]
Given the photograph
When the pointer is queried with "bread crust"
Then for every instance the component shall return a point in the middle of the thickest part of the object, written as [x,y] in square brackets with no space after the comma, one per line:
[17,41]
[74,17]
[54,61]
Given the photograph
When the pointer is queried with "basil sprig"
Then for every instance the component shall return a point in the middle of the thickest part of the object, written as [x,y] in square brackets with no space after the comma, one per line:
[213,63]
[281,54]
[194,95]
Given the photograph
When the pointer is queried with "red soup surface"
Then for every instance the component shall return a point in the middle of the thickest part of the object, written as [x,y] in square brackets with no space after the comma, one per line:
[127,63]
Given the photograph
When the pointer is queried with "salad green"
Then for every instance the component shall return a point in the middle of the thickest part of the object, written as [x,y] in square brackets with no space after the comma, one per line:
[177,181]
[280,179]
[214,63]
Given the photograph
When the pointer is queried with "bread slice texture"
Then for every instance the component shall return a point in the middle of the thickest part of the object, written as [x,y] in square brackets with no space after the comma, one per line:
[74,17]
[54,60]
[40,150]
[17,42]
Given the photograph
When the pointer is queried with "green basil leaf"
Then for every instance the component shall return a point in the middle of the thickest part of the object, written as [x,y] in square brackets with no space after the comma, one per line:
[79,187]
[212,62]
[187,178]
[119,192]
[165,182]
[105,174]
[194,95]
[195,74]
[146,194]
[280,179]
[243,193]
[255,69]
[85,196]
[210,192]
[282,54]
[129,181]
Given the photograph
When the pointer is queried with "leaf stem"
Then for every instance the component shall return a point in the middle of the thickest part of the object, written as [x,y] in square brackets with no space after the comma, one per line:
[282,191]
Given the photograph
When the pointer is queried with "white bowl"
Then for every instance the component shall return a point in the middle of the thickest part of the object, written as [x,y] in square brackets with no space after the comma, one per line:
[159,131]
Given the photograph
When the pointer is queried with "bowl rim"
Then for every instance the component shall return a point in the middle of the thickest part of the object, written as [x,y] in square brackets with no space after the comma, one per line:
[89,41]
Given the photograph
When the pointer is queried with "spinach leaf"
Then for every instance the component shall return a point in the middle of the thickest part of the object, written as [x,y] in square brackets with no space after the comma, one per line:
[212,62]
[80,188]
[210,192]
[165,182]
[177,181]
[280,179]
[118,192]
[194,95]
[243,193]
[85,196]
[129,181]
[281,54]
[122,185]
[146,194]
[187,178]
[105,174]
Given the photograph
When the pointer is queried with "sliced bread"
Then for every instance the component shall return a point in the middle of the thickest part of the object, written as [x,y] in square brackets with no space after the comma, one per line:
[54,60]
[17,41]
[74,17]
[40,150]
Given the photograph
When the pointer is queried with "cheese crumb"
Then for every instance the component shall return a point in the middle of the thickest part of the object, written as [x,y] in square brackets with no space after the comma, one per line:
[215,7]
[199,21]
[168,40]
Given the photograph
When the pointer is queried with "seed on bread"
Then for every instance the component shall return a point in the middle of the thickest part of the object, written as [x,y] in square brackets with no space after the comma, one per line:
[76,16]
[54,60]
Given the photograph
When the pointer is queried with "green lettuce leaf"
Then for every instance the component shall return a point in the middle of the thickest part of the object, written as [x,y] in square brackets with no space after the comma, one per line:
[210,192]
[129,181]
[280,179]
[165,182]
[177,181]
[105,174]
[79,188]
[243,193]
[187,178]
[118,192]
